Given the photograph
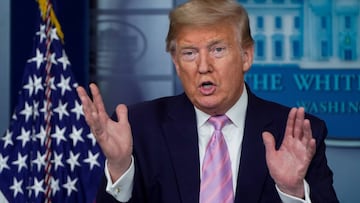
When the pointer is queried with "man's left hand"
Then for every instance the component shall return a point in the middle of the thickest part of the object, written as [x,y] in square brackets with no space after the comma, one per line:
[288,165]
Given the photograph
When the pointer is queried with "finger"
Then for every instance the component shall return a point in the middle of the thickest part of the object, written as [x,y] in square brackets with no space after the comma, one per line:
[289,130]
[299,123]
[269,143]
[122,114]
[84,98]
[86,104]
[307,133]
[310,145]
[81,92]
[90,112]
[308,141]
[311,148]
[307,129]
[97,98]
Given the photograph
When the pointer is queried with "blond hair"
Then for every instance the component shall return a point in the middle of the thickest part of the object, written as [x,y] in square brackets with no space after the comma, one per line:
[209,12]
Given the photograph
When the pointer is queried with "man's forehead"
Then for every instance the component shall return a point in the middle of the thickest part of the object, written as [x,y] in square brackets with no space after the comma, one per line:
[204,35]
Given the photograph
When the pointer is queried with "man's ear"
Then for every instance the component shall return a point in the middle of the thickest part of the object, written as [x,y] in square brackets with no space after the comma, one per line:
[248,56]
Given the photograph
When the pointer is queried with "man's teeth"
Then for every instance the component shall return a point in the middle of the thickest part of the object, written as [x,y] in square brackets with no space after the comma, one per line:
[207,85]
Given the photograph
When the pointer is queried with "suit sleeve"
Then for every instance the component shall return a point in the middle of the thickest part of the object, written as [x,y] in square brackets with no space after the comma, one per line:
[121,190]
[319,175]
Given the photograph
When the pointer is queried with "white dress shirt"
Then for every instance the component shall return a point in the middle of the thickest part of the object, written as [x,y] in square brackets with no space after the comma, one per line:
[233,134]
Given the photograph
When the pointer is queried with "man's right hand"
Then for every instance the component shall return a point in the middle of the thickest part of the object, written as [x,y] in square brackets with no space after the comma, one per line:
[114,138]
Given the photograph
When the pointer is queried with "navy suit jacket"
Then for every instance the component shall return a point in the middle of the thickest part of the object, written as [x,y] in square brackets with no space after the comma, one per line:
[167,161]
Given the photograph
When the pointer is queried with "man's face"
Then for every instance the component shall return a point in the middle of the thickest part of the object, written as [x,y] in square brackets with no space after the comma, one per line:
[211,66]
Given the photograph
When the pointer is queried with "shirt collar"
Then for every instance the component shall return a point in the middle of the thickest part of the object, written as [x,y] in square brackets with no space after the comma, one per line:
[236,113]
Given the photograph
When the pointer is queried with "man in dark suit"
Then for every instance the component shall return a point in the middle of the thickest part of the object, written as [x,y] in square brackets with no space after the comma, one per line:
[156,149]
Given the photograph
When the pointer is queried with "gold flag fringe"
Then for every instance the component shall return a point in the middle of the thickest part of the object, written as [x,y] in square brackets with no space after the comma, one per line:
[53,18]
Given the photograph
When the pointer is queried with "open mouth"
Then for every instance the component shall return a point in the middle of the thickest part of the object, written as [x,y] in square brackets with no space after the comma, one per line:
[207,85]
[207,88]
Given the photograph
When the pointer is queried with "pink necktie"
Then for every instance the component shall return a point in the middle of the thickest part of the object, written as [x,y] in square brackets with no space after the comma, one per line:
[216,183]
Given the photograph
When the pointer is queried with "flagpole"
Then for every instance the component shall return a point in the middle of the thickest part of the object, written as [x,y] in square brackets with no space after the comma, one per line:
[50,19]
[48,164]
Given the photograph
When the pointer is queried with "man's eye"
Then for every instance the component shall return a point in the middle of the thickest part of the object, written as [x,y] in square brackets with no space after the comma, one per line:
[218,51]
[188,55]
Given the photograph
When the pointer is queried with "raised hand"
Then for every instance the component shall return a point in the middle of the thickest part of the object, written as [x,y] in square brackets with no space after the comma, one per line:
[288,165]
[114,138]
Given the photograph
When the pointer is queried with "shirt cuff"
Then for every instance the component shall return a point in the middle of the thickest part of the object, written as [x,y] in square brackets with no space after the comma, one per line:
[121,190]
[285,198]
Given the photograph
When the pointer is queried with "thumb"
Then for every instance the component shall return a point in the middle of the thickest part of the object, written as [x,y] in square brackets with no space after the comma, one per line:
[122,113]
[269,142]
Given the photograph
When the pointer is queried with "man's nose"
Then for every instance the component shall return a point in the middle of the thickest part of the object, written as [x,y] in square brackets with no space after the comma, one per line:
[204,63]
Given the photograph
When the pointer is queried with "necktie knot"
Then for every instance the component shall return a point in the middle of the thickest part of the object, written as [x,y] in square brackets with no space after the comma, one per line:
[218,121]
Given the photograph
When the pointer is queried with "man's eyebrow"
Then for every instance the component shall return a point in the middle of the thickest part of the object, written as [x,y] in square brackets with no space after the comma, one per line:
[188,47]
[215,42]
[211,44]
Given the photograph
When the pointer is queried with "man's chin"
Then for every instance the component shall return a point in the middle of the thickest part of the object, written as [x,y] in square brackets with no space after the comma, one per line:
[209,106]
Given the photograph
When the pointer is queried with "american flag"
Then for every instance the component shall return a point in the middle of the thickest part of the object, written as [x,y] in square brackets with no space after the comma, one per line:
[48,153]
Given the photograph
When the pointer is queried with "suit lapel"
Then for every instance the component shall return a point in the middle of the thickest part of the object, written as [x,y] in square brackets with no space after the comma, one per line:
[184,151]
[183,147]
[252,170]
